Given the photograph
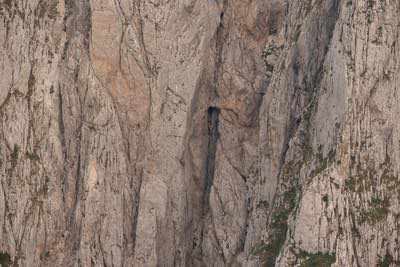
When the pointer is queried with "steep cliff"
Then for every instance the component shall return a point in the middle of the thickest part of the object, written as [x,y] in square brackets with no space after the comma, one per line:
[199,133]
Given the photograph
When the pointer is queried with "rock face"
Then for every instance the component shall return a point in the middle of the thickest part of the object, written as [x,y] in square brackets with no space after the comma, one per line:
[199,133]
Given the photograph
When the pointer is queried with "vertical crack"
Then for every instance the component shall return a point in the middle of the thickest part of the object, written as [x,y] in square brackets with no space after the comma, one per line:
[136,207]
[212,126]
[61,127]
[77,23]
[221,36]
[213,135]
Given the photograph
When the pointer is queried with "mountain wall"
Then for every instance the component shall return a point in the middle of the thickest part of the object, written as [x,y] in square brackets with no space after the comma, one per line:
[199,133]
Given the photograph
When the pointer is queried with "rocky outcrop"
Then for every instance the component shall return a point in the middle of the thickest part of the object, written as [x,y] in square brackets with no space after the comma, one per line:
[330,137]
[199,133]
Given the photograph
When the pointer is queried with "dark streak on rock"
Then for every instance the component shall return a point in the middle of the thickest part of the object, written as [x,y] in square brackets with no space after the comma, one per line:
[61,128]
[213,135]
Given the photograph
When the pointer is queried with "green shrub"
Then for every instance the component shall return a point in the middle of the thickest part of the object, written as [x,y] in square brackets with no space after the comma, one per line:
[32,156]
[387,261]
[350,184]
[14,156]
[319,259]
[5,259]
[377,212]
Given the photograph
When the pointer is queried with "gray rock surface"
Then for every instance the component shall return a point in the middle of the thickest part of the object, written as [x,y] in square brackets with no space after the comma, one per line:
[199,133]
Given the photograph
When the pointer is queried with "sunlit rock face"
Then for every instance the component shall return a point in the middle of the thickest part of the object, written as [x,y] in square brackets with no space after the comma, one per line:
[199,133]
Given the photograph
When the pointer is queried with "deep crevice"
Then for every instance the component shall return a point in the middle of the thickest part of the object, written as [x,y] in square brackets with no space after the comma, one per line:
[213,135]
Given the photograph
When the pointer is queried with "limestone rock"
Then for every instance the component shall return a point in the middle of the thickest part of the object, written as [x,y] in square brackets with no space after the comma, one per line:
[199,133]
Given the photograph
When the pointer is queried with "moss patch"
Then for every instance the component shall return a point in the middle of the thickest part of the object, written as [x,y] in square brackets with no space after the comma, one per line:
[350,184]
[378,211]
[5,259]
[288,202]
[32,156]
[319,259]
[44,255]
[14,156]
[387,261]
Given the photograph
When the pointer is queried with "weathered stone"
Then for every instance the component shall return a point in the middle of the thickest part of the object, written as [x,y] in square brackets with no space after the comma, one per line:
[199,133]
